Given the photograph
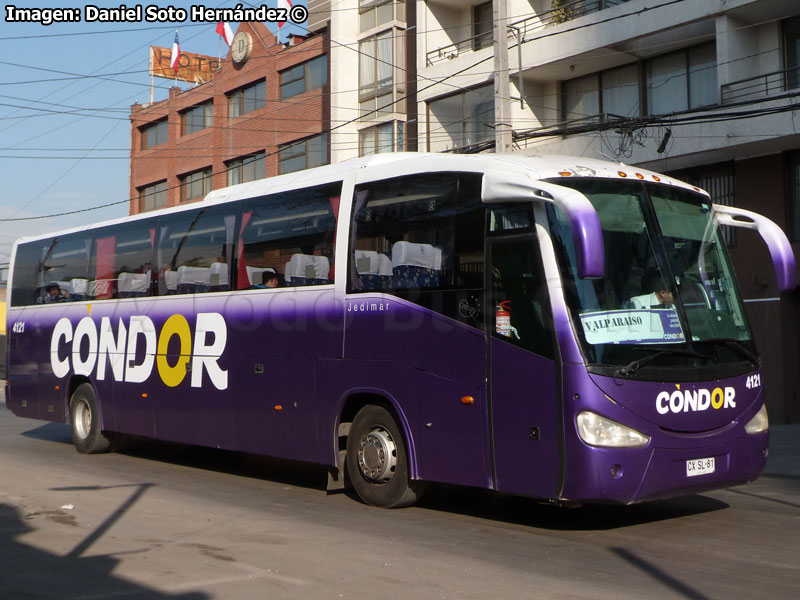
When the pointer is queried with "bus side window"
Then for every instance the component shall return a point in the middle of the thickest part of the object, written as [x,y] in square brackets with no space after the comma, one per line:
[421,238]
[26,288]
[291,234]
[194,250]
[121,265]
[62,260]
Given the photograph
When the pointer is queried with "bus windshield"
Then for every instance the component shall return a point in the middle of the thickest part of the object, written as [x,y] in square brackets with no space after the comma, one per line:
[668,287]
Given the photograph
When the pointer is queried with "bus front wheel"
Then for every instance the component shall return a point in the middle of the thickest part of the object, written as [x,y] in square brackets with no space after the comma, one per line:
[84,420]
[377,461]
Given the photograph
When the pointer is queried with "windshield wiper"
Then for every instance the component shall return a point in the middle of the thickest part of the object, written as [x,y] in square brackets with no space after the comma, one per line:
[635,365]
[741,349]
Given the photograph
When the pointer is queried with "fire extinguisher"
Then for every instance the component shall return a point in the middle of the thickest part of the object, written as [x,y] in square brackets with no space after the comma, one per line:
[503,318]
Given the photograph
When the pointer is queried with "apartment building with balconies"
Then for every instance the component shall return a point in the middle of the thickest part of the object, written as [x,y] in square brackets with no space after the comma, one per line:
[373,74]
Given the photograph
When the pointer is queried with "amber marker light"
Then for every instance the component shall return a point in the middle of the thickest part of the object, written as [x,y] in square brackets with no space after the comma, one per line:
[639,176]
[278,407]
[656,178]
[144,395]
[564,173]
[467,400]
[622,173]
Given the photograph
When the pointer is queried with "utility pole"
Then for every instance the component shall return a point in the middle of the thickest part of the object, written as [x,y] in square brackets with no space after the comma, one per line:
[502,102]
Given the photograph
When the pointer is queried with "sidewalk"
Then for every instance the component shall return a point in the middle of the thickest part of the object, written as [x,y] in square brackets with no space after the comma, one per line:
[784,451]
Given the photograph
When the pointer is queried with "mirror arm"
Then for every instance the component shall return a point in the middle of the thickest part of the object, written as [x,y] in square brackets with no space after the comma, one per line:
[778,244]
[582,217]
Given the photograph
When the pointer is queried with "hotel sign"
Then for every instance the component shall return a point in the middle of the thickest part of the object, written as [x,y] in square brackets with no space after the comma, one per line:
[194,68]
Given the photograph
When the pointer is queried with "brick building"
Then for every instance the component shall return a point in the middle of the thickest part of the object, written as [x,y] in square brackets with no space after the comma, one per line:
[265,112]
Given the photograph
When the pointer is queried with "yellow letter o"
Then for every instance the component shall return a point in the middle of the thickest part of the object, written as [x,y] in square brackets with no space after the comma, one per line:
[717,398]
[175,325]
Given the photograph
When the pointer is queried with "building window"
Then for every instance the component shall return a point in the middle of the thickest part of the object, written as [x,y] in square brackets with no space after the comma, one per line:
[387,137]
[311,152]
[720,182]
[582,98]
[791,43]
[608,94]
[305,77]
[153,196]
[682,80]
[154,134]
[674,82]
[246,168]
[482,26]
[373,13]
[195,185]
[379,90]
[247,99]
[197,118]
[461,120]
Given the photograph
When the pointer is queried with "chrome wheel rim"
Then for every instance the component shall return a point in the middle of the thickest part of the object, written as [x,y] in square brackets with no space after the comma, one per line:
[83,419]
[377,455]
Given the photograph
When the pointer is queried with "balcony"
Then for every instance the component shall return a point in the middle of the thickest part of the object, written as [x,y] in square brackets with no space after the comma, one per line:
[759,87]
[562,12]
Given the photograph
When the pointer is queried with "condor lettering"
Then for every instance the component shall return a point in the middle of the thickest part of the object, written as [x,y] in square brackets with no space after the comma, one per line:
[696,400]
[85,350]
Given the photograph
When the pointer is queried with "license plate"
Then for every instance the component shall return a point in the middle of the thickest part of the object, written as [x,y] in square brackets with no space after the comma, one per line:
[700,466]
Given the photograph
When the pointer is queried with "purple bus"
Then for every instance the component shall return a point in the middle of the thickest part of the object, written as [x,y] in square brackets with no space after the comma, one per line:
[560,328]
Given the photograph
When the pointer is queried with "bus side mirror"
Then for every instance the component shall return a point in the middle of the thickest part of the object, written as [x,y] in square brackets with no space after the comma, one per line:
[584,224]
[778,244]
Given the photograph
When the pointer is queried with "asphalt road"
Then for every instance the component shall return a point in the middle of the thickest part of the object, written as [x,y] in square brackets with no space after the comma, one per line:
[168,521]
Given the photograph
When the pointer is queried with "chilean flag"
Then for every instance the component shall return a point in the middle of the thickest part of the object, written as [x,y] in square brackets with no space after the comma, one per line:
[224,29]
[176,54]
[286,5]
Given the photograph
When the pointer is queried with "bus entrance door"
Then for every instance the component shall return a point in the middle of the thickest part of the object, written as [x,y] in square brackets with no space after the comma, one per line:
[522,369]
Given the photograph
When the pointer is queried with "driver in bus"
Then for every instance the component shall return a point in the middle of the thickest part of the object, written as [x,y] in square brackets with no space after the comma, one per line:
[660,298]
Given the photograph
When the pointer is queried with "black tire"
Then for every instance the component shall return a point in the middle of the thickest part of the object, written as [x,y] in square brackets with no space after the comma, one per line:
[84,420]
[377,461]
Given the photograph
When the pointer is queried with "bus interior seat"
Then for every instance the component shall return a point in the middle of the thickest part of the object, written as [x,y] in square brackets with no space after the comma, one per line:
[133,285]
[79,288]
[416,265]
[193,280]
[694,294]
[375,269]
[307,269]
[171,281]
[101,289]
[218,277]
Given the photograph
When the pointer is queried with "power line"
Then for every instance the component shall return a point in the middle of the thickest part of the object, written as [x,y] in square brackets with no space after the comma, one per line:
[437,82]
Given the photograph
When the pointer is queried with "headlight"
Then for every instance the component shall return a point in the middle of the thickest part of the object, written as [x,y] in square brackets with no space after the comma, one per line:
[759,423]
[599,431]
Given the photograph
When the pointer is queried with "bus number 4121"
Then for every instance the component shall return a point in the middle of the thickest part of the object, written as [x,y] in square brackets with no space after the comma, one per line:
[753,381]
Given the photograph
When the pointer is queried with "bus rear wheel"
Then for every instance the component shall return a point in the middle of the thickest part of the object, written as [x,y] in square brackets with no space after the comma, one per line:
[377,461]
[84,419]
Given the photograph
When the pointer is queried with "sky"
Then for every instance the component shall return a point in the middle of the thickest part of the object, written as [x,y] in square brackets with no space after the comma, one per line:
[65,95]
